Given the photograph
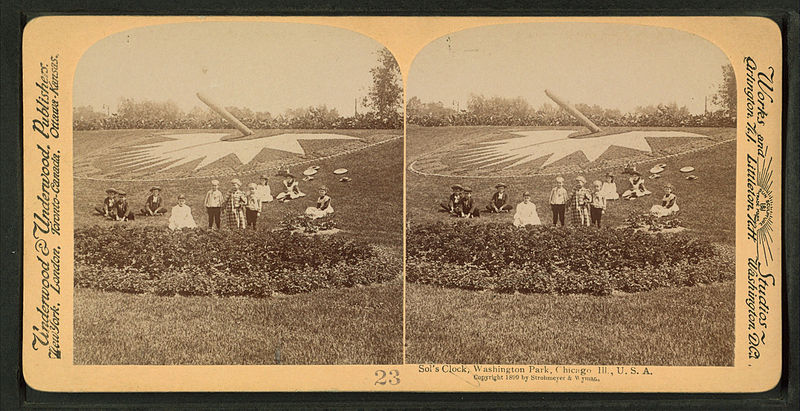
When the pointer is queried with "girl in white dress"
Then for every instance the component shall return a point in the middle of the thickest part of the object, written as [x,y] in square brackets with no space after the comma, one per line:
[181,216]
[669,203]
[263,191]
[323,207]
[609,190]
[291,189]
[526,212]
[637,187]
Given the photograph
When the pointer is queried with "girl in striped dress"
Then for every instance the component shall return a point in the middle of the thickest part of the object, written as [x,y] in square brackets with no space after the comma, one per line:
[579,203]
[233,209]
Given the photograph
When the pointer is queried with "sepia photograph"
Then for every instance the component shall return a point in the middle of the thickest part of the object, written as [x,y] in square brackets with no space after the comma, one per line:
[238,197]
[571,197]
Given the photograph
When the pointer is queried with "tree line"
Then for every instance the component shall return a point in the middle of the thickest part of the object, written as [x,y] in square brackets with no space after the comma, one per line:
[502,111]
[383,102]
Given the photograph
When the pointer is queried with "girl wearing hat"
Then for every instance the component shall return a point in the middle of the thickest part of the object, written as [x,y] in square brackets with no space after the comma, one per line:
[579,203]
[609,189]
[637,187]
[499,198]
[323,207]
[181,215]
[291,189]
[669,203]
[109,204]
[234,206]
[152,206]
[526,212]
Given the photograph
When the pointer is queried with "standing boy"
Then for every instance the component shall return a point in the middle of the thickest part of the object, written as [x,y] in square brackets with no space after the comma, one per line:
[252,207]
[558,201]
[213,204]
[598,204]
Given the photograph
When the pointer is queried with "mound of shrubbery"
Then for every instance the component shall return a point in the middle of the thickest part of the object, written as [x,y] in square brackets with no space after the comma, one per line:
[540,259]
[228,262]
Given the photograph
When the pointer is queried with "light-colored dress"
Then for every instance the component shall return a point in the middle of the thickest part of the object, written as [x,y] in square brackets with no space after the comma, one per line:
[264,193]
[181,217]
[609,191]
[292,190]
[526,215]
[637,189]
[322,209]
[668,206]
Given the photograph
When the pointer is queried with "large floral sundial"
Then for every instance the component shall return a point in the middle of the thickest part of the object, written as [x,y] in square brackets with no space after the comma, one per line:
[541,150]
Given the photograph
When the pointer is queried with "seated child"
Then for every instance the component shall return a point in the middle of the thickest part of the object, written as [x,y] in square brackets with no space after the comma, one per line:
[291,189]
[181,216]
[597,206]
[152,206]
[123,213]
[526,212]
[558,201]
[109,209]
[468,208]
[579,203]
[323,207]
[669,204]
[609,188]
[637,187]
[263,191]
[498,204]
[453,205]
[252,207]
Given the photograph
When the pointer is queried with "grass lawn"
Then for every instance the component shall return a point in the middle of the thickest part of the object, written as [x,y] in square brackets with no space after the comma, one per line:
[360,325]
[707,204]
[339,326]
[370,206]
[678,327]
[687,326]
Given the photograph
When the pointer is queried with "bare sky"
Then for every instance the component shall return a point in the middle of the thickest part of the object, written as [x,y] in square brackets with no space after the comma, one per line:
[262,66]
[611,65]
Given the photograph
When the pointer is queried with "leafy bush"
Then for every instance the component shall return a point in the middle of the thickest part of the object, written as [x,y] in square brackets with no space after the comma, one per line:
[565,261]
[234,262]
[305,224]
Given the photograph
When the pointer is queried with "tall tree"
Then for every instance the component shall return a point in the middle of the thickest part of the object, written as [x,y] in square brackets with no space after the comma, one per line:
[385,96]
[725,98]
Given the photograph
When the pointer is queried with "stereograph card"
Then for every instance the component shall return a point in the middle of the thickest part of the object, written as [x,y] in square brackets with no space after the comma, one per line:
[519,204]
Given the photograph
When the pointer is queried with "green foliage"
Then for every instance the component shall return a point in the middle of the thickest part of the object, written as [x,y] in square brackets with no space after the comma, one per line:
[232,262]
[385,96]
[565,261]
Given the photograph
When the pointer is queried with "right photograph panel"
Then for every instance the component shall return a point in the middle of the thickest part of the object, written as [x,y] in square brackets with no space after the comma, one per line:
[571,197]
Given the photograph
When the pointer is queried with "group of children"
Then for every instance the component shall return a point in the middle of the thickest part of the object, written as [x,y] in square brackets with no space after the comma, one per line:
[586,206]
[240,209]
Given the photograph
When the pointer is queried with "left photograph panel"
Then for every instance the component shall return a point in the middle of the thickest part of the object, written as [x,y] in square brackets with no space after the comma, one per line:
[238,197]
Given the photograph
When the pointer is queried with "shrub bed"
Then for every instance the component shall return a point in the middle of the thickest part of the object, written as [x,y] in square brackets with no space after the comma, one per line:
[228,262]
[566,261]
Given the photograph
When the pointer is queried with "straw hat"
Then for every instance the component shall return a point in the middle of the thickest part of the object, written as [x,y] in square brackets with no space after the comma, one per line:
[500,185]
[112,191]
[467,190]
[581,179]
[153,188]
[457,187]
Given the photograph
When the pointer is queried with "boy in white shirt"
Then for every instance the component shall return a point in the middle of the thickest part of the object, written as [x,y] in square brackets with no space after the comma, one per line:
[181,216]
